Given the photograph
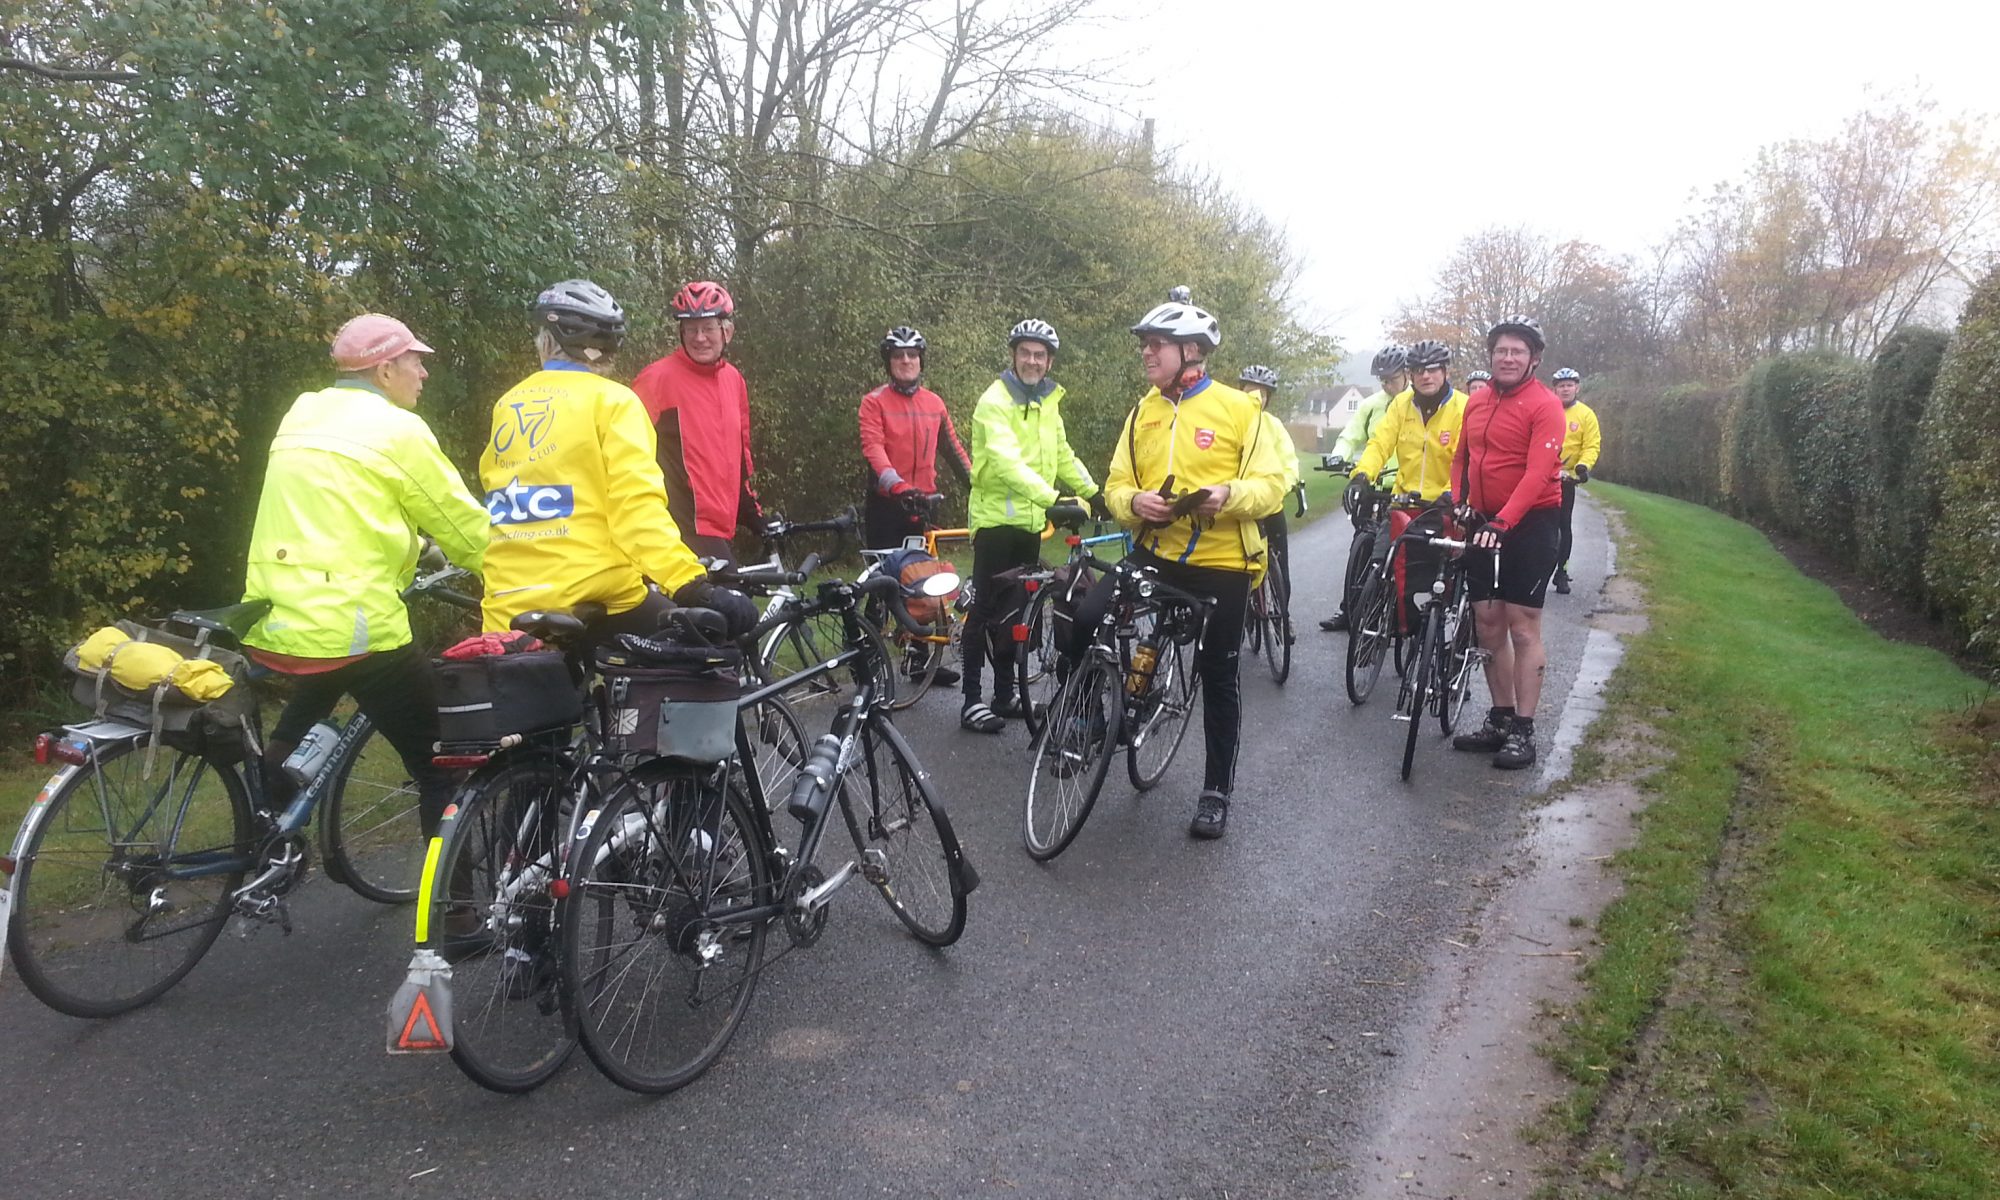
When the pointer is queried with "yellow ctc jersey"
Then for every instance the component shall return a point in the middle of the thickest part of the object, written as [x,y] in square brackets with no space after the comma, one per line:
[1214,435]
[1423,449]
[1581,437]
[575,498]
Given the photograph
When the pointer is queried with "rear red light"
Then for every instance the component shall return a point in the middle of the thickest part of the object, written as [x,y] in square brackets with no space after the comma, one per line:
[7,864]
[1020,633]
[1073,540]
[559,889]
[76,754]
[450,811]
[459,762]
[43,743]
[1031,585]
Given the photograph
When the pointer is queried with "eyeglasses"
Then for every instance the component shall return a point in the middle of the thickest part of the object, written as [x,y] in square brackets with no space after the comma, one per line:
[914,355]
[1155,344]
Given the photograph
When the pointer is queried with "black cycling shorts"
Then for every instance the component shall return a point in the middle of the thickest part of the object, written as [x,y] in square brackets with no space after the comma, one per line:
[1527,559]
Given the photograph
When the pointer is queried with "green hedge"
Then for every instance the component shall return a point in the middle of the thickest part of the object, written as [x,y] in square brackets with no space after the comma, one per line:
[1957,475]
[1793,444]
[1892,515]
[1666,441]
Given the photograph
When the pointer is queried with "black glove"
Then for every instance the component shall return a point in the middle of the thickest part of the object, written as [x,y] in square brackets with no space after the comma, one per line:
[735,607]
[430,558]
[913,501]
[1582,473]
[1099,509]
[1357,492]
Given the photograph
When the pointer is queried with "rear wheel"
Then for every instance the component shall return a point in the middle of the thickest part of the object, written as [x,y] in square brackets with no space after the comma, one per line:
[126,879]
[798,645]
[1072,755]
[1161,719]
[1277,625]
[1429,645]
[1368,638]
[659,963]
[371,835]
[1035,676]
[907,846]
[494,915]
[1461,663]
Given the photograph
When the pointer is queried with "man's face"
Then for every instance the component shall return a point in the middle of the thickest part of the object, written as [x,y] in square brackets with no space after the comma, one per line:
[1428,381]
[705,339]
[402,377]
[1160,359]
[1395,383]
[1511,361]
[905,365]
[1031,362]
[1568,389]
[1258,392]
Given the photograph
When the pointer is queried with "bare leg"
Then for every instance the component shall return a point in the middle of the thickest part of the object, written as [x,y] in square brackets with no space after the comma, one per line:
[1529,658]
[1491,619]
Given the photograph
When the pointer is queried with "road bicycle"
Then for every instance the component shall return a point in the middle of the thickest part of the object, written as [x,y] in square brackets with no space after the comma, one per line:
[678,878]
[1446,656]
[1376,632]
[1131,684]
[144,843]
[1050,596]
[1267,626]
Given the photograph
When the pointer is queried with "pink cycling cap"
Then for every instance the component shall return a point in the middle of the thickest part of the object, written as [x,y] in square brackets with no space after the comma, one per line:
[373,338]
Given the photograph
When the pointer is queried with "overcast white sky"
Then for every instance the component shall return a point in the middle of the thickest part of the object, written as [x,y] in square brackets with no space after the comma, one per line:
[1637,107]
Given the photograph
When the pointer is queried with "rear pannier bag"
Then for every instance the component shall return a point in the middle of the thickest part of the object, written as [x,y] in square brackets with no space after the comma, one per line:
[214,729]
[681,709]
[482,700]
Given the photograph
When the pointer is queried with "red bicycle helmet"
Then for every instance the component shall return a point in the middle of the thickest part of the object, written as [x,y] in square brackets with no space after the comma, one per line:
[702,298]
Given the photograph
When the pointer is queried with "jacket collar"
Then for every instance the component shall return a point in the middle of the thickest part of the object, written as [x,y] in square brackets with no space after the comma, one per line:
[680,352]
[1022,394]
[360,385]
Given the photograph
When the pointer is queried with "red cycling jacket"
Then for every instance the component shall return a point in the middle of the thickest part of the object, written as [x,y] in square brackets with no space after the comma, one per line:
[702,417]
[901,436]
[1510,451]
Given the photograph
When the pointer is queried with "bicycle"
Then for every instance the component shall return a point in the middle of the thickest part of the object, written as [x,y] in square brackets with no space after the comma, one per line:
[135,853]
[499,870]
[1447,654]
[1375,630]
[678,878]
[1132,684]
[1267,629]
[789,647]
[1044,620]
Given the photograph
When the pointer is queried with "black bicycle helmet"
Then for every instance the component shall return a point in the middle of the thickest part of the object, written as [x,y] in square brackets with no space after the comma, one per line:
[585,321]
[1527,329]
[1259,375]
[1428,353]
[1389,360]
[902,337]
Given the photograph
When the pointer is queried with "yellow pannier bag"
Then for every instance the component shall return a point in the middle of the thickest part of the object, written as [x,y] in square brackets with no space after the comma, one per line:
[143,666]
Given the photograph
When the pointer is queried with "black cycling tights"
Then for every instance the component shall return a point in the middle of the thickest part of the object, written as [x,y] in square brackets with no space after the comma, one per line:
[397,692]
[1217,661]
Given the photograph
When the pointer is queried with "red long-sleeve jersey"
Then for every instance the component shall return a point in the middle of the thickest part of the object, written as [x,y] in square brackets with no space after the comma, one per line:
[901,436]
[701,415]
[1510,452]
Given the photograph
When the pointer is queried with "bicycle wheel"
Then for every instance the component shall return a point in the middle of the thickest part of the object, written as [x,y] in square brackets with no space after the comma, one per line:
[1160,719]
[914,684]
[657,975]
[1368,638]
[493,911]
[907,846]
[779,742]
[1035,677]
[1460,664]
[370,833]
[1072,756]
[1429,645]
[126,880]
[1277,626]
[802,642]
[1255,619]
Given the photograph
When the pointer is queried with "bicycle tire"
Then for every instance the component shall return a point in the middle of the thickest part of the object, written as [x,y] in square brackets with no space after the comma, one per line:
[78,881]
[801,642]
[1429,642]
[1278,619]
[912,688]
[1066,779]
[370,831]
[1168,710]
[1367,640]
[778,739]
[1457,675]
[672,851]
[510,1029]
[1036,679]
[921,876]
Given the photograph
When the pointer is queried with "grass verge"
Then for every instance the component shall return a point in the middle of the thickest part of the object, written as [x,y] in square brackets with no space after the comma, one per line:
[1799,990]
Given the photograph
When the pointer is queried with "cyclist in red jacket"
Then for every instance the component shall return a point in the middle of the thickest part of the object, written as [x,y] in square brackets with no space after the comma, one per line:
[904,426]
[1508,470]
[700,408]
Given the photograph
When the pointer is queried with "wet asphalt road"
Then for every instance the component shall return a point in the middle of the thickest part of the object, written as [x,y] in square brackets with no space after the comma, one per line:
[1148,1016]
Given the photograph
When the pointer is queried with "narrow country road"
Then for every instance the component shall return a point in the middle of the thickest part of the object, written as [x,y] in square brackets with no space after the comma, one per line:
[1149,1016]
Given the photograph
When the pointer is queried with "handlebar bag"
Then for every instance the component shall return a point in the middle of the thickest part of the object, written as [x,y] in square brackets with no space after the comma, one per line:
[911,567]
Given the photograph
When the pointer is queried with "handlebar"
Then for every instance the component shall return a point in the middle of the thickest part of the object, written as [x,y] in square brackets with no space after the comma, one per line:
[890,589]
[780,528]
[433,583]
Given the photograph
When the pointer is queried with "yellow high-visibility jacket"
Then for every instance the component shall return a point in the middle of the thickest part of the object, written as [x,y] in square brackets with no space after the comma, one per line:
[577,502]
[1581,438]
[352,481]
[1423,449]
[1215,435]
[1288,454]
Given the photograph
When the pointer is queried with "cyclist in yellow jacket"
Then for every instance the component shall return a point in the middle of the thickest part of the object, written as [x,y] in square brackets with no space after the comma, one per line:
[1191,433]
[573,486]
[1260,383]
[355,476]
[1419,433]
[1581,441]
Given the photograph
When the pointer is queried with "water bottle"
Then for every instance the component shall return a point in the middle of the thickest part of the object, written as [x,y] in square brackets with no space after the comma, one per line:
[305,763]
[1144,656]
[810,792]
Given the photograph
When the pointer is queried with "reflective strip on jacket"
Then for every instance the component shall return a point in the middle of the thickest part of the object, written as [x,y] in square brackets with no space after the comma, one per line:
[1583,438]
[1215,435]
[573,490]
[1404,436]
[1021,460]
[353,479]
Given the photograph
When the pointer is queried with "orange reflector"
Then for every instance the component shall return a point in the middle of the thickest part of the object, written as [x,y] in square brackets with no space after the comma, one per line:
[421,1031]
[7,864]
[559,889]
[457,762]
[1031,585]
[1073,540]
[1020,633]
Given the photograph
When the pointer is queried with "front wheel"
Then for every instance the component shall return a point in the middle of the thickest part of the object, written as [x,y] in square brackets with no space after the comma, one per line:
[127,878]
[660,954]
[937,651]
[1429,646]
[1460,665]
[1368,638]
[1277,625]
[370,833]
[1160,719]
[907,846]
[494,913]
[1072,755]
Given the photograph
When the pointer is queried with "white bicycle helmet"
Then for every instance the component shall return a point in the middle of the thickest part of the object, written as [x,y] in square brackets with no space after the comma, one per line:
[1181,322]
[1033,330]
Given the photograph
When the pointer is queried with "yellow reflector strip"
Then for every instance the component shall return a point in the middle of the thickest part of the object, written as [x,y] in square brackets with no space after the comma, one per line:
[431,857]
